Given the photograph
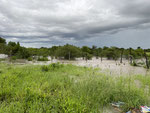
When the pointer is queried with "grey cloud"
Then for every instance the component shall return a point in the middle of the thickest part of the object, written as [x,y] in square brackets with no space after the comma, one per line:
[137,9]
[58,22]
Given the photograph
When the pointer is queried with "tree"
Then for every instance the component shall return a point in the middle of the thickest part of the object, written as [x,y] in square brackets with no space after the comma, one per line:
[2,45]
[2,48]
[111,53]
[22,53]
[12,48]
[138,53]
[68,52]
[53,50]
[95,51]
[2,40]
[86,51]
[146,59]
[101,54]
[130,56]
[121,55]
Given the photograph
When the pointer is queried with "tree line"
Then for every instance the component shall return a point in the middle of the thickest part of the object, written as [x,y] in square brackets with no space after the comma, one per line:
[70,52]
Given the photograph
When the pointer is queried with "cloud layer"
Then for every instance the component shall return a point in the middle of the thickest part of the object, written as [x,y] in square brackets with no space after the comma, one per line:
[53,22]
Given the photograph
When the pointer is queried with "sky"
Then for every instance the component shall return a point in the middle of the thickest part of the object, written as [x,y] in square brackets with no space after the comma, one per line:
[45,23]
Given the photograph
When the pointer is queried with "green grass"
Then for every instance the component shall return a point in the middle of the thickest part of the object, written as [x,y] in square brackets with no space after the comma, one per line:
[58,88]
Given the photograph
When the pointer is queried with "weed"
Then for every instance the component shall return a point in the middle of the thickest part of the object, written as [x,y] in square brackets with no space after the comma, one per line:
[69,89]
[45,68]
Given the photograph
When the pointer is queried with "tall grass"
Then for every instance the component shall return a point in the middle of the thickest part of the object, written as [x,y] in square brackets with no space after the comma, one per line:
[67,89]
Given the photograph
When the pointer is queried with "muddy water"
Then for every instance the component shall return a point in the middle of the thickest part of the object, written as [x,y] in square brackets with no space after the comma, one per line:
[109,67]
[112,67]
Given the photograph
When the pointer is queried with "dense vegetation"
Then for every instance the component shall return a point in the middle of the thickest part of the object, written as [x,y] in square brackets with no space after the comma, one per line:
[71,52]
[58,88]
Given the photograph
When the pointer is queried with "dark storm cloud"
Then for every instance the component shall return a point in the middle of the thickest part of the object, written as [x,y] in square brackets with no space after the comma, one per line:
[38,23]
[137,9]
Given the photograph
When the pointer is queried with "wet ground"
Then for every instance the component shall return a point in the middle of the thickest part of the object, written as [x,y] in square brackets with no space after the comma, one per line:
[109,67]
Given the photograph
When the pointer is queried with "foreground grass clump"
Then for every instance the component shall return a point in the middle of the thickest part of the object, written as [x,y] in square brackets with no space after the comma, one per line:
[66,89]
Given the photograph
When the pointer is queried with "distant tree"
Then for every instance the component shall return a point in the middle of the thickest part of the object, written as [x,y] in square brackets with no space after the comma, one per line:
[12,48]
[2,45]
[138,53]
[2,40]
[138,47]
[101,54]
[44,52]
[105,48]
[146,59]
[68,52]
[71,52]
[130,56]
[111,53]
[121,55]
[95,51]
[53,51]
[22,53]
[86,51]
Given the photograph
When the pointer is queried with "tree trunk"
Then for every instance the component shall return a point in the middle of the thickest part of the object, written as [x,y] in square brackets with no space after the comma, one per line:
[146,59]
[69,55]
[10,55]
[130,56]
[101,58]
[86,57]
[121,56]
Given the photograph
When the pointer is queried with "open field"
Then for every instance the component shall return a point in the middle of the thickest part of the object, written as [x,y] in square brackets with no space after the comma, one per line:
[67,89]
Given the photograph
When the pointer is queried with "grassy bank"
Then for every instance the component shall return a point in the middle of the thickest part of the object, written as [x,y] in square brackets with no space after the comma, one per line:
[67,89]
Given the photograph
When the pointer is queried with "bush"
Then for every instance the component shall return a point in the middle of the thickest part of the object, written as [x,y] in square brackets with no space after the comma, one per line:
[42,59]
[134,63]
[30,59]
[13,58]
[45,68]
[1,59]
[141,63]
[89,56]
[54,66]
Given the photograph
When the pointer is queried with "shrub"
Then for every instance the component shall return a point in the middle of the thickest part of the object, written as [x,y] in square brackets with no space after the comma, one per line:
[13,58]
[42,59]
[134,63]
[140,63]
[89,56]
[1,59]
[45,68]
[30,59]
[54,66]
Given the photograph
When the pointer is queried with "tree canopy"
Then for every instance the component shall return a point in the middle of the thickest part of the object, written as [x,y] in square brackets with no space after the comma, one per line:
[70,52]
[2,40]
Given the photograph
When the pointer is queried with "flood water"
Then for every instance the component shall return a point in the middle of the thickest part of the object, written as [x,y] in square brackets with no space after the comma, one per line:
[109,67]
